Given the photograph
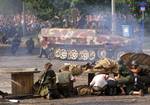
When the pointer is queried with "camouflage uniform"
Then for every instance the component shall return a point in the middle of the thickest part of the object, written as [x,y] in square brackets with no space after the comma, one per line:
[48,85]
[125,77]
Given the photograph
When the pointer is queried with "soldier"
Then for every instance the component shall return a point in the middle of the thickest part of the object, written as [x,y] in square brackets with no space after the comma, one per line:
[111,85]
[124,78]
[44,46]
[15,44]
[140,79]
[65,81]
[30,45]
[99,83]
[4,39]
[47,82]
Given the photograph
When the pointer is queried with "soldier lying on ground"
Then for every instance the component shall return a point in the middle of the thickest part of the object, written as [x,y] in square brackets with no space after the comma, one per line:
[47,83]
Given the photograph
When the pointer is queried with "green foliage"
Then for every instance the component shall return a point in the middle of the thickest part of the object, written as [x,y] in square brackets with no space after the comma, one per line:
[41,8]
[135,7]
[48,9]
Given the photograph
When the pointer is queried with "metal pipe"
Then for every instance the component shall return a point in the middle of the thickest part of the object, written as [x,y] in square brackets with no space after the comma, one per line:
[23,18]
[113,16]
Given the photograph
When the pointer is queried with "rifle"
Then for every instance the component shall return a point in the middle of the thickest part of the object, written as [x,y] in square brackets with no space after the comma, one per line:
[39,84]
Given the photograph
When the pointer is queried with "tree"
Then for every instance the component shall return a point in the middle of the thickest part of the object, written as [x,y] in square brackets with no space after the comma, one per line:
[48,9]
[41,8]
[134,6]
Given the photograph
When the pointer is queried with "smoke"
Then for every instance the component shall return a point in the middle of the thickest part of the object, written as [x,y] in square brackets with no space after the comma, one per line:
[100,18]
[8,7]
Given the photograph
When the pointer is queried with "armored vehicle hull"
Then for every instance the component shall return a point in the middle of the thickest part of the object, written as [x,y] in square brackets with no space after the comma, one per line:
[84,44]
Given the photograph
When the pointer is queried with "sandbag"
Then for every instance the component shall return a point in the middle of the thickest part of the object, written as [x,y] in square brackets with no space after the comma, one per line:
[74,69]
[106,65]
[83,90]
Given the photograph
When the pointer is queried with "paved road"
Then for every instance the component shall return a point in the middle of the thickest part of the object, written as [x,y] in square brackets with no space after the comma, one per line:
[92,100]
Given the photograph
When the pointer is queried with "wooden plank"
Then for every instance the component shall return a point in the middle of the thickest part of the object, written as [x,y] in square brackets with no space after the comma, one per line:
[18,70]
[24,83]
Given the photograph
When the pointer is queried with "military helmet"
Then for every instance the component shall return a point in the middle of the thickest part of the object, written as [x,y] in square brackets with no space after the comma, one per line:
[134,63]
[48,65]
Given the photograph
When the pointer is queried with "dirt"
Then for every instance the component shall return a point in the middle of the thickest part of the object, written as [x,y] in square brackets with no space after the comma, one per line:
[24,61]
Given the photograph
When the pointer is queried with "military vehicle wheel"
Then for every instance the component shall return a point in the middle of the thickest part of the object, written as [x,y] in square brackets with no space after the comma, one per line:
[63,54]
[72,54]
[83,55]
[101,53]
[57,52]
[92,55]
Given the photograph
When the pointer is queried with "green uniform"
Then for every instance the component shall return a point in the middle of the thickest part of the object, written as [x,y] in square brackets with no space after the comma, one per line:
[126,78]
[143,78]
[145,74]
[64,83]
[47,83]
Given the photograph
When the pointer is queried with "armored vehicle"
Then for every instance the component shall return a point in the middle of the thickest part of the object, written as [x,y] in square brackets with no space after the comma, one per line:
[85,44]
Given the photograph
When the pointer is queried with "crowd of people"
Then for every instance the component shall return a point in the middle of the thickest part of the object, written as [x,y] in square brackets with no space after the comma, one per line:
[102,22]
[11,25]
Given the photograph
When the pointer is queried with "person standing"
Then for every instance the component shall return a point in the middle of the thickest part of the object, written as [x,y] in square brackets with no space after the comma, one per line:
[30,45]
[44,47]
[15,44]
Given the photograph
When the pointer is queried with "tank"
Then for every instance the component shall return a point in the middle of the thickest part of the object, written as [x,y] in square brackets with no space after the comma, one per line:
[84,44]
